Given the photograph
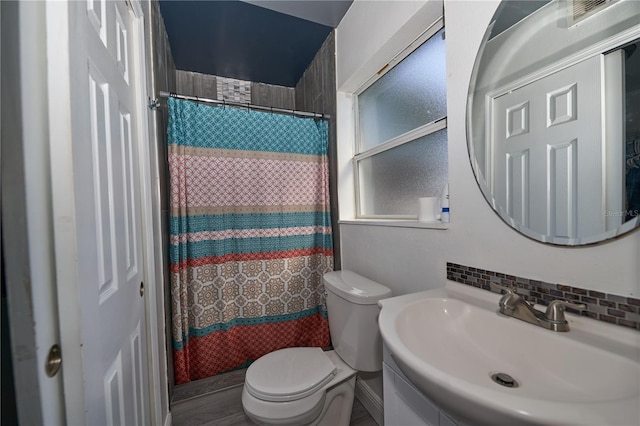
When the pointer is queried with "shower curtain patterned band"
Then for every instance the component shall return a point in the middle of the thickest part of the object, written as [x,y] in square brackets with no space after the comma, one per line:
[250,235]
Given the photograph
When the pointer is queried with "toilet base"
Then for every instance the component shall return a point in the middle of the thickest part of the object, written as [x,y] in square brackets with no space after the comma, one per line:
[330,406]
[338,405]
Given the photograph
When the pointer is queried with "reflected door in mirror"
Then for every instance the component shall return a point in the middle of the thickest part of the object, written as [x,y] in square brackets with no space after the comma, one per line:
[552,119]
[546,152]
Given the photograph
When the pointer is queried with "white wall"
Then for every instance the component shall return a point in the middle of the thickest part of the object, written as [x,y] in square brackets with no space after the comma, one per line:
[410,259]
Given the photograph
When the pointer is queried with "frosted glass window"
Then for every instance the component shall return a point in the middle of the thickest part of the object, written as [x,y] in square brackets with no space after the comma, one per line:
[410,95]
[394,167]
[392,181]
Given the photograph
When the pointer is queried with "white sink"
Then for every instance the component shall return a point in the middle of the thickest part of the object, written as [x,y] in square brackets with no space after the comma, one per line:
[449,342]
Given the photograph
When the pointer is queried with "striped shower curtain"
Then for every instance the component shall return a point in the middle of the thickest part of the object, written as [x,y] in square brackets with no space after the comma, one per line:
[250,235]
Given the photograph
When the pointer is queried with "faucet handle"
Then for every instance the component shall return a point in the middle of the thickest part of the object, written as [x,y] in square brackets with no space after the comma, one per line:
[507,289]
[555,310]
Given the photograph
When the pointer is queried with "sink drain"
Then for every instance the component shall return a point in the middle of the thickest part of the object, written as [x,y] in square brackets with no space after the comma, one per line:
[503,379]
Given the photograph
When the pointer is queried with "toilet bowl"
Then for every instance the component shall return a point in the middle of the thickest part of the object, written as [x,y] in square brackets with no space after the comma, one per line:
[308,386]
[309,389]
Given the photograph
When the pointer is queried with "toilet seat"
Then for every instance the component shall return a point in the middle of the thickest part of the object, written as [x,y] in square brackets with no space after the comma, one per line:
[289,374]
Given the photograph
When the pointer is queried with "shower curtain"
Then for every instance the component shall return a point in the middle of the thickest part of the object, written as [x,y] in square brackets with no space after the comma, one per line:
[250,235]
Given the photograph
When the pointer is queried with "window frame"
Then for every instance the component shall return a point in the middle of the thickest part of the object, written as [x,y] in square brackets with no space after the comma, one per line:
[404,138]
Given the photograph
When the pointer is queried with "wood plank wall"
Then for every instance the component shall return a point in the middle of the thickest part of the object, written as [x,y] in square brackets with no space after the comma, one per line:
[204,85]
[164,71]
[273,96]
[196,84]
[316,92]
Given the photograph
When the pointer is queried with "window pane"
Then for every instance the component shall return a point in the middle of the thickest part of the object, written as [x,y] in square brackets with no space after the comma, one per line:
[391,182]
[413,93]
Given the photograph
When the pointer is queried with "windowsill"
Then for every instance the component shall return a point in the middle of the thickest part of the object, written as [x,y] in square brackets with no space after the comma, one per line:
[396,223]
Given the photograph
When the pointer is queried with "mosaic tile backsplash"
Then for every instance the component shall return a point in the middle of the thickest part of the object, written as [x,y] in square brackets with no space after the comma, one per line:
[601,306]
[230,89]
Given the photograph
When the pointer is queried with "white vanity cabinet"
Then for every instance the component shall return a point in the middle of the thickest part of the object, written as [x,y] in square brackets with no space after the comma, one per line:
[404,405]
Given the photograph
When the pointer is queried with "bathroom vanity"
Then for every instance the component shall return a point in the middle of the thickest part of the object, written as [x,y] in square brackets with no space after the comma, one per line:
[406,405]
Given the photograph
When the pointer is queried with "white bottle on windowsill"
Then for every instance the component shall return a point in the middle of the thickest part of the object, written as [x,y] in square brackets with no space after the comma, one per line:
[444,204]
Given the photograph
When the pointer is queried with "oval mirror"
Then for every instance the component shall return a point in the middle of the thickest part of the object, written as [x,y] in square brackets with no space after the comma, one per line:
[553,118]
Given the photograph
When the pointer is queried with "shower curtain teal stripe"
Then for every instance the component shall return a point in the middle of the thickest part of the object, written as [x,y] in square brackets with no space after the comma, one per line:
[230,128]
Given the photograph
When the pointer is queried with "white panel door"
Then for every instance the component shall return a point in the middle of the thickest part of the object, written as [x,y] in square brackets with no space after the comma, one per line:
[547,154]
[100,243]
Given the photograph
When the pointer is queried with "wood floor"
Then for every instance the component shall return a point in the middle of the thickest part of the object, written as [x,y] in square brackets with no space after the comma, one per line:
[216,402]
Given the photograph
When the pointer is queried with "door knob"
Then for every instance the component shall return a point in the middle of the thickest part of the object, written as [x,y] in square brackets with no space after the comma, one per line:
[54,361]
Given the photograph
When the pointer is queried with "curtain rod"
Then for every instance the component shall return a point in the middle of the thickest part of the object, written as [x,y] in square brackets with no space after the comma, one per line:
[156,103]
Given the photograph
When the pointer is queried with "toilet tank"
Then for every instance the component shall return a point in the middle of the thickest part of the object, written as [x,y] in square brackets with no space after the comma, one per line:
[352,305]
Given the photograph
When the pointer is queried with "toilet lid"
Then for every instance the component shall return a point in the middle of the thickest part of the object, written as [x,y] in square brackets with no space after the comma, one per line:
[289,374]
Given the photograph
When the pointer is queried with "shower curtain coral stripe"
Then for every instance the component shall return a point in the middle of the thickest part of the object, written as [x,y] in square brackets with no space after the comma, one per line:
[250,235]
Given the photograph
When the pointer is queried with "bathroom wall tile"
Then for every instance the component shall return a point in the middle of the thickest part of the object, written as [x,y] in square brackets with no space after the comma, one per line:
[628,308]
[617,299]
[233,90]
[546,286]
[633,317]
[628,323]
[632,301]
[607,318]
[571,297]
[593,315]
[557,293]
[597,309]
[616,313]
[612,308]
[536,294]
[545,299]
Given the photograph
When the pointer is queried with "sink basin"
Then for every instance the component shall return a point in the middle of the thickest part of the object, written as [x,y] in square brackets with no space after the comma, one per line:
[449,342]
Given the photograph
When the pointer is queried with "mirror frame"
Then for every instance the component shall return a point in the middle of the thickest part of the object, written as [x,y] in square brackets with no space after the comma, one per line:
[625,228]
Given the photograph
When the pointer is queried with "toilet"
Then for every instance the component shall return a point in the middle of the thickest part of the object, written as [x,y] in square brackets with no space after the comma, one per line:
[308,386]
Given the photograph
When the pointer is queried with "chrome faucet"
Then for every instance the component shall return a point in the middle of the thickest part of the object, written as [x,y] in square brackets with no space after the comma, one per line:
[514,305]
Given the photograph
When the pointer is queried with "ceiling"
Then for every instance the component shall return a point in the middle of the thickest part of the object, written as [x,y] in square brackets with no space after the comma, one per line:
[265,41]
